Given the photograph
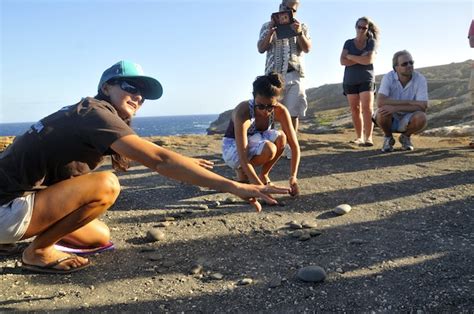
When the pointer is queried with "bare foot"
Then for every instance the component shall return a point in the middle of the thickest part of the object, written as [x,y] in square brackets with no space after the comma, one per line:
[45,256]
[241,176]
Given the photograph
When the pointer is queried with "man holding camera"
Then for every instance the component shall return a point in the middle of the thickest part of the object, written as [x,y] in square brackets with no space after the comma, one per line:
[284,56]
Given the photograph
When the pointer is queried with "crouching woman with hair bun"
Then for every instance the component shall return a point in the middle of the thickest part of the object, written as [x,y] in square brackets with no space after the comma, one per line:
[250,141]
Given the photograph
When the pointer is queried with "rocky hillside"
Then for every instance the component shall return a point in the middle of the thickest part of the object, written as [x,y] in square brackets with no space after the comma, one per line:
[328,110]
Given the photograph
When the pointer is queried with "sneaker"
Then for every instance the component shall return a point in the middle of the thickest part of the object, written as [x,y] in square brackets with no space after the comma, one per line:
[388,142]
[287,152]
[406,142]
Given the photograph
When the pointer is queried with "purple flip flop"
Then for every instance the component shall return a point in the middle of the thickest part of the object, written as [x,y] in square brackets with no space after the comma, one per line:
[84,250]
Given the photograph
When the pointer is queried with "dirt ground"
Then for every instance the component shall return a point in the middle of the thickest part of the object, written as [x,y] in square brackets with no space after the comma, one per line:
[407,244]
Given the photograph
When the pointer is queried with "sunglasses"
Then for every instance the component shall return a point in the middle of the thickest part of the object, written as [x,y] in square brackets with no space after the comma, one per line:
[362,27]
[128,87]
[404,64]
[290,9]
[268,108]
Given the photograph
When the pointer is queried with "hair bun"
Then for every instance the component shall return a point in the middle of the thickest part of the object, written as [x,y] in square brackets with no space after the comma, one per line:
[275,79]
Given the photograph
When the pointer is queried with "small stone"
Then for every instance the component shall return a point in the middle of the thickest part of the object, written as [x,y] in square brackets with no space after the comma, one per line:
[155,235]
[216,276]
[291,222]
[92,287]
[215,204]
[196,269]
[163,224]
[297,233]
[339,270]
[244,281]
[311,274]
[231,200]
[315,233]
[304,237]
[295,226]
[202,207]
[309,224]
[342,209]
[167,218]
[274,282]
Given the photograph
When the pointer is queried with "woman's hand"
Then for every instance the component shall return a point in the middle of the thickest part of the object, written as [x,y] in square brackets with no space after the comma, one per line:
[251,193]
[207,164]
[294,188]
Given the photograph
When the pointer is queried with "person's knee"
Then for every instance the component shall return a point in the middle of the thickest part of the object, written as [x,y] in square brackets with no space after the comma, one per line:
[355,107]
[281,141]
[108,186]
[269,150]
[418,120]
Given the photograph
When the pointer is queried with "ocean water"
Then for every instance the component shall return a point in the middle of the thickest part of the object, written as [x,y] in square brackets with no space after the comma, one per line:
[144,126]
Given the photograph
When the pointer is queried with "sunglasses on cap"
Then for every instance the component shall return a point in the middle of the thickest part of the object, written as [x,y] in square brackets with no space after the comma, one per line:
[268,108]
[404,64]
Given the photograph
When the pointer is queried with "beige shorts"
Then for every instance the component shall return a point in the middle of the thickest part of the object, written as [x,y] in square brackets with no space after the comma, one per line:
[15,218]
[294,97]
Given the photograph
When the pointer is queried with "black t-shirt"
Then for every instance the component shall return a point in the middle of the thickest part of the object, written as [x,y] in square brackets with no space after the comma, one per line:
[359,73]
[69,143]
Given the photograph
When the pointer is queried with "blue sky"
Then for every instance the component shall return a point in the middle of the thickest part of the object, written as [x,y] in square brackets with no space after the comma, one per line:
[203,51]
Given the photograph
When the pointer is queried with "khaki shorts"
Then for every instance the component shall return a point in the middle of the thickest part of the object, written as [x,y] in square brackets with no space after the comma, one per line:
[15,218]
[294,97]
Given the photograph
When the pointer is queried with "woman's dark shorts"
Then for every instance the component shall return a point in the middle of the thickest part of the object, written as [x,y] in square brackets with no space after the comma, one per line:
[358,88]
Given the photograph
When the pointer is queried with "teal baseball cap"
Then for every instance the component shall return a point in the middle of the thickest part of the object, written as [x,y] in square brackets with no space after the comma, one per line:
[150,87]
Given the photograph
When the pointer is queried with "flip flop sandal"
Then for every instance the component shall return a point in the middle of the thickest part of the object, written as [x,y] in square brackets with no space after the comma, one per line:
[50,267]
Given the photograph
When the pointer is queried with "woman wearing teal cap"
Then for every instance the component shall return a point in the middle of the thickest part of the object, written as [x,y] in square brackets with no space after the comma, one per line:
[48,189]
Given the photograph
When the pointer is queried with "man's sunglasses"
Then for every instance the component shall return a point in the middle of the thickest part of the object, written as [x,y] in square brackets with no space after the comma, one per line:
[268,108]
[404,64]
[129,87]
[290,9]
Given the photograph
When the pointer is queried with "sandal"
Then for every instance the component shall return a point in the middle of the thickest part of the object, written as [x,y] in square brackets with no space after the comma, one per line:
[357,141]
[50,268]
[367,143]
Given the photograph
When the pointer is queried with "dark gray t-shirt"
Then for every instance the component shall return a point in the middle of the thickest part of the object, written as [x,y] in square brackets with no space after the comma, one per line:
[69,143]
[359,73]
